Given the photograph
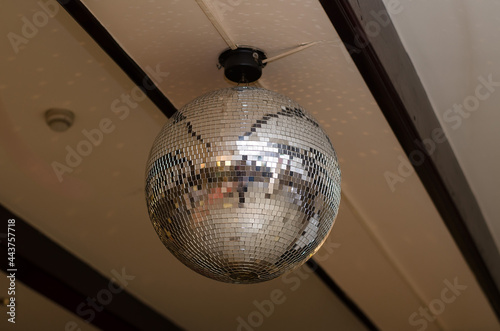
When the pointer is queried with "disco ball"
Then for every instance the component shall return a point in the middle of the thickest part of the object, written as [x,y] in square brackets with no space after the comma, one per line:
[242,185]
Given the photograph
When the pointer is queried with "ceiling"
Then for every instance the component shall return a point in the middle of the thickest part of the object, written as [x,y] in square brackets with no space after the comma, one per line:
[34,310]
[389,249]
[451,77]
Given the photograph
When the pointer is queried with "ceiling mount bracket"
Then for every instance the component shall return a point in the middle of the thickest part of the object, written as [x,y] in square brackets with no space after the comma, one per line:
[242,65]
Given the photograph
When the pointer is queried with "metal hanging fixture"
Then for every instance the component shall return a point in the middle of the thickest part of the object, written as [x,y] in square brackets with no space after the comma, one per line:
[242,184]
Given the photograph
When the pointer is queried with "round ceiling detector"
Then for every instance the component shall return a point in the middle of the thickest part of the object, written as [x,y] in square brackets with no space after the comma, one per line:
[58,119]
[242,185]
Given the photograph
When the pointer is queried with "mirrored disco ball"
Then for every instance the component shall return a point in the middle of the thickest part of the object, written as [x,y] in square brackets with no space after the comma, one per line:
[242,185]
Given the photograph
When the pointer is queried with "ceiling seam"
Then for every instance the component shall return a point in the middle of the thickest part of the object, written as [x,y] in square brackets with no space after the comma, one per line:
[393,261]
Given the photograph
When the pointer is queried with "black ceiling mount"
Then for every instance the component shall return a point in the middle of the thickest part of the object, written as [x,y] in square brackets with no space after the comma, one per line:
[242,65]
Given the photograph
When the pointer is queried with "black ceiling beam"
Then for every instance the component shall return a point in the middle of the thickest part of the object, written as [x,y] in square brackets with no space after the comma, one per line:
[103,38]
[60,276]
[346,300]
[382,61]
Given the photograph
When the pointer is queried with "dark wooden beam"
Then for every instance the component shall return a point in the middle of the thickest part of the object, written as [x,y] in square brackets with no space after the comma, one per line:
[343,297]
[60,276]
[389,73]
[103,38]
